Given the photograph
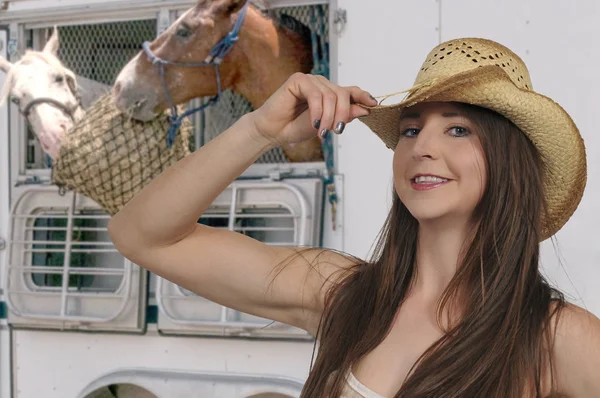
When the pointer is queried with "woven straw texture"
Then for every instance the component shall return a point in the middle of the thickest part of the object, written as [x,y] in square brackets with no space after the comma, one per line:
[484,73]
[109,157]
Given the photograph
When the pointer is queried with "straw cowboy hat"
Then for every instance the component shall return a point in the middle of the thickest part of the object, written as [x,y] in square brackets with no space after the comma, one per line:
[484,73]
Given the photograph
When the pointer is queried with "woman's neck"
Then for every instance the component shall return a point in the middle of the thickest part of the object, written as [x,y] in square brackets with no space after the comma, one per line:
[439,250]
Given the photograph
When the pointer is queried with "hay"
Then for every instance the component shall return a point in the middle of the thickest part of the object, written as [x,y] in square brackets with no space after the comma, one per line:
[109,157]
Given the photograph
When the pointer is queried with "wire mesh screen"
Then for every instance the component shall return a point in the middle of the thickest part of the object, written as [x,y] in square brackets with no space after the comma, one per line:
[100,51]
[96,52]
[232,106]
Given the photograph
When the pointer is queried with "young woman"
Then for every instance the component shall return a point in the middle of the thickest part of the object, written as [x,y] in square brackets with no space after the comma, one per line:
[453,303]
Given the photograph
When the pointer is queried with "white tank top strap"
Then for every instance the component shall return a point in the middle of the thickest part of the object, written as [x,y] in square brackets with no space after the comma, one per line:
[355,389]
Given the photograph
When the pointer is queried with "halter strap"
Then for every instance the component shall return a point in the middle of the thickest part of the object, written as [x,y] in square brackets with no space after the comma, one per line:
[222,48]
[44,100]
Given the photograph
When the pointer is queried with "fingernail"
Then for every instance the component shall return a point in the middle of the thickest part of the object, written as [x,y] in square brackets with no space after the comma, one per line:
[373,98]
[323,133]
[339,128]
[317,123]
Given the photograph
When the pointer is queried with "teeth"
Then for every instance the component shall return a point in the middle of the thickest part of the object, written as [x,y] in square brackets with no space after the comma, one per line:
[422,179]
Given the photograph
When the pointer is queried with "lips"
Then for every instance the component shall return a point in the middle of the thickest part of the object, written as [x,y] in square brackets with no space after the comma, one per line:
[425,182]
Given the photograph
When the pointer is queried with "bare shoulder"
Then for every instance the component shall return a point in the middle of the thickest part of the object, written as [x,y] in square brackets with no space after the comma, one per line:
[577,352]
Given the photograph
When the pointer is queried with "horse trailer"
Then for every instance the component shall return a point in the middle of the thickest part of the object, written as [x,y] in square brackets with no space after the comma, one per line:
[77,319]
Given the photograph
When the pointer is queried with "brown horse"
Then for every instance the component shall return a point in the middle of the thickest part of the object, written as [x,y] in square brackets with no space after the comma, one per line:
[265,55]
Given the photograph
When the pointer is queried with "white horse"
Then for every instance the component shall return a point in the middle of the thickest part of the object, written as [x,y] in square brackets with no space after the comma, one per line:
[47,94]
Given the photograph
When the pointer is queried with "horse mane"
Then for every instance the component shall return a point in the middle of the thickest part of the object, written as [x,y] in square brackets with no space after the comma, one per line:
[295,26]
[285,22]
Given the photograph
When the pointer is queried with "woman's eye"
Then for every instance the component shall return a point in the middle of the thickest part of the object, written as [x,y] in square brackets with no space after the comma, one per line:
[458,131]
[410,132]
[183,32]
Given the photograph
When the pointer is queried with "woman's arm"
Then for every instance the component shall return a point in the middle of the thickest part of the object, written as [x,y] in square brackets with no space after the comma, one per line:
[158,228]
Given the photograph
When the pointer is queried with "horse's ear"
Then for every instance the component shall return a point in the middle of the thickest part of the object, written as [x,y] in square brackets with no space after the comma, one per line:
[5,64]
[227,7]
[52,46]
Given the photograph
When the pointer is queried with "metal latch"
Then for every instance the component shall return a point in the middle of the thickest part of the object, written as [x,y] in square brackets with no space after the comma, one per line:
[274,175]
[279,173]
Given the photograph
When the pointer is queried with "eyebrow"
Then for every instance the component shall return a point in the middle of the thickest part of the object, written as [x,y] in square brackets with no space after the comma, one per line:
[417,115]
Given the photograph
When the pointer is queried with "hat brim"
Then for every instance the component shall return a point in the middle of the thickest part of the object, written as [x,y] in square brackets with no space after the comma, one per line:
[545,122]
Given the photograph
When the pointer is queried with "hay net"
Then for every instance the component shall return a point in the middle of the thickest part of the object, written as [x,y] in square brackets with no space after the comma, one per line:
[109,157]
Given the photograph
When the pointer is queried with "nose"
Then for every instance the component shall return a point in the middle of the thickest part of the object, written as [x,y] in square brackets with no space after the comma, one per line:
[64,124]
[134,95]
[425,145]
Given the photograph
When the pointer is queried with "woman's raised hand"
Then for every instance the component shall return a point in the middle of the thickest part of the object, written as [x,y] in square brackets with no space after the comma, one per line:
[306,106]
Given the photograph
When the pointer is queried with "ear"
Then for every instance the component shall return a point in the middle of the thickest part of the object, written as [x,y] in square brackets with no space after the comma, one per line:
[5,65]
[225,8]
[52,45]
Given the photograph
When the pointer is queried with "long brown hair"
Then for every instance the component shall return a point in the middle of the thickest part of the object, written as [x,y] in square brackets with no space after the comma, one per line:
[501,345]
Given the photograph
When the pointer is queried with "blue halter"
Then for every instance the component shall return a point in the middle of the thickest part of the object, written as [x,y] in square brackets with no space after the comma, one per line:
[214,59]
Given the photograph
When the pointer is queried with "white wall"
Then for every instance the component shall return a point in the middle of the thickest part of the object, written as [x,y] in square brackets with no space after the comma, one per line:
[383,47]
[4,178]
[45,361]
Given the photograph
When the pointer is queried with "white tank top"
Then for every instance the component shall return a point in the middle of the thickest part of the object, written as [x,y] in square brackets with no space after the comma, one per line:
[355,389]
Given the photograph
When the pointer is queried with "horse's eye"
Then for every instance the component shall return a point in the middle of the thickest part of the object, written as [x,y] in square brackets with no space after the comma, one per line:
[59,79]
[184,32]
[15,101]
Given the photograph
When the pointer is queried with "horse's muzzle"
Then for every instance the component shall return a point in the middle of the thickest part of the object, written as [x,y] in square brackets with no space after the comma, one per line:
[134,96]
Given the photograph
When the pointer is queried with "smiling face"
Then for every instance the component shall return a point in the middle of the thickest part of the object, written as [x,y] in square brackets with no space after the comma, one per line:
[439,163]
